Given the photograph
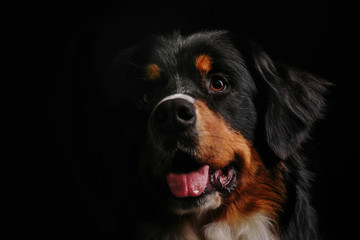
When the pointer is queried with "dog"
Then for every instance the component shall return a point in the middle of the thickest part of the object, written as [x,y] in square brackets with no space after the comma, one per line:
[219,138]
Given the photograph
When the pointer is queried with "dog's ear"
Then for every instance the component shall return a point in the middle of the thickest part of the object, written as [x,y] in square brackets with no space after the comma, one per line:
[290,101]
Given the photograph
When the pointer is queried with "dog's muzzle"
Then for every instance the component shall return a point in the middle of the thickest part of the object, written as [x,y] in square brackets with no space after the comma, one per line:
[196,162]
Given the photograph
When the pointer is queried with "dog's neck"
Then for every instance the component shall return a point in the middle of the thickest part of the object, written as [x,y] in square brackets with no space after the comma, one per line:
[254,227]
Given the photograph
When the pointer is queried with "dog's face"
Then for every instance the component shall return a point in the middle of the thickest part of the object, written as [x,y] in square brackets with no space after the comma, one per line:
[201,123]
[206,107]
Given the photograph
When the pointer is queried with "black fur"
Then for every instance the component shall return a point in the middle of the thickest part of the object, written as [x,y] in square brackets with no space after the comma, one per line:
[272,105]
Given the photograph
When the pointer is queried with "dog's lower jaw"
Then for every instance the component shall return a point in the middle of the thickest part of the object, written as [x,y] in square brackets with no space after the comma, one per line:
[210,201]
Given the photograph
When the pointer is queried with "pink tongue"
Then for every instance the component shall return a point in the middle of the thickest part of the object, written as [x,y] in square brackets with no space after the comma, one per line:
[188,184]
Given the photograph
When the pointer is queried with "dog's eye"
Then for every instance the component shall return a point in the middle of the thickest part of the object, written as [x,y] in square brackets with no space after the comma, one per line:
[218,84]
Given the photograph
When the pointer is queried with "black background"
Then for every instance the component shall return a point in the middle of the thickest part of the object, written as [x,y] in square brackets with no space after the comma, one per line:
[80,41]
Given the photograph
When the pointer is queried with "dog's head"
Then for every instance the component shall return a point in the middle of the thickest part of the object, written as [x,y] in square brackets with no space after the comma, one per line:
[210,109]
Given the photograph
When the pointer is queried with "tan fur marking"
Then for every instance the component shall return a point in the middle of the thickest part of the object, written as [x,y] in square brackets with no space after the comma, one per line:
[258,191]
[204,63]
[153,72]
[218,142]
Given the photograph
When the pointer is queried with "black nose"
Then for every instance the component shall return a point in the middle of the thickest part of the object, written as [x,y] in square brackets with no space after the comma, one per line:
[174,115]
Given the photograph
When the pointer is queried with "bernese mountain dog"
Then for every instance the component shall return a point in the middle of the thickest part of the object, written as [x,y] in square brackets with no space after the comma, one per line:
[219,131]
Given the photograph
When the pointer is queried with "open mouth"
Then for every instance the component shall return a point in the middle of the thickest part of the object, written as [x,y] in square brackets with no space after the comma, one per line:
[199,180]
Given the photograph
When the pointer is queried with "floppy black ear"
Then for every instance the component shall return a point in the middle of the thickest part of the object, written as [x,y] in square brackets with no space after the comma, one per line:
[291,101]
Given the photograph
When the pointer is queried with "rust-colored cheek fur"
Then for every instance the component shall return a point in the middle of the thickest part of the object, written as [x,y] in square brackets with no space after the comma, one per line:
[218,143]
[258,190]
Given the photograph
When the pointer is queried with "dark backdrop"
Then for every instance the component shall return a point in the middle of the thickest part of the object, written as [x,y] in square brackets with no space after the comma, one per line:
[80,42]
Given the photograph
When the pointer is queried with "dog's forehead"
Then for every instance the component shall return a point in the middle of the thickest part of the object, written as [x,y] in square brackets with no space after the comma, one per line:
[186,64]
[174,57]
[177,50]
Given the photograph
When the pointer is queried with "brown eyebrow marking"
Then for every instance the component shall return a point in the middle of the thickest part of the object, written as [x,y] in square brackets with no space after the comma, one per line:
[153,72]
[203,63]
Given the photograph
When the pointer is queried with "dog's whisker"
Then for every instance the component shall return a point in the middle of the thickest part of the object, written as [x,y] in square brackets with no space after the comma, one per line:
[134,64]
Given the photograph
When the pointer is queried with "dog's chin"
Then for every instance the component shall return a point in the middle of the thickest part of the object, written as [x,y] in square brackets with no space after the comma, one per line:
[197,205]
